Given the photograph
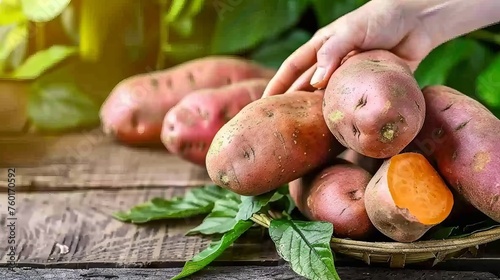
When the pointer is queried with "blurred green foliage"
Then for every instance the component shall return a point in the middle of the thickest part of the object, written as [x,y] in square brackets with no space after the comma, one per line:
[102,44]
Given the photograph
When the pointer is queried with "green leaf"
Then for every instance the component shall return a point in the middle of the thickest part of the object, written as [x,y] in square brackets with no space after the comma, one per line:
[14,38]
[214,250]
[222,218]
[440,233]
[253,204]
[463,77]
[327,10]
[11,12]
[306,246]
[60,106]
[287,203]
[488,85]
[273,53]
[43,10]
[41,61]
[242,25]
[476,227]
[436,67]
[195,202]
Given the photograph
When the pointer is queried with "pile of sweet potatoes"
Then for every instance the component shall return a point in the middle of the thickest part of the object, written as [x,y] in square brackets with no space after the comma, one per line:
[372,153]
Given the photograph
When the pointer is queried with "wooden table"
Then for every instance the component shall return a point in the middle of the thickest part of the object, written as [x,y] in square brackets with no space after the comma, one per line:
[68,187]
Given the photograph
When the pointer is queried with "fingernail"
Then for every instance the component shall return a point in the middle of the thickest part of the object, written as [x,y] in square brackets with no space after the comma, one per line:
[141,128]
[318,75]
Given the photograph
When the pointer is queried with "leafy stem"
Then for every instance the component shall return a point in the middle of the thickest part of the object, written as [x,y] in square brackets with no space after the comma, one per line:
[261,219]
[265,219]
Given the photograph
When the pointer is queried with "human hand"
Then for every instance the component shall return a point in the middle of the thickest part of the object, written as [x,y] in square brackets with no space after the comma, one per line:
[379,24]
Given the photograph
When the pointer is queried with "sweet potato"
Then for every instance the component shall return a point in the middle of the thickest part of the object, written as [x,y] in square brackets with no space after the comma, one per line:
[462,137]
[463,213]
[373,104]
[272,141]
[190,126]
[367,163]
[407,197]
[335,194]
[135,109]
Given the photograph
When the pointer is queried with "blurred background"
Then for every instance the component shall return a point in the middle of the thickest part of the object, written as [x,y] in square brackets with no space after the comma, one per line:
[59,59]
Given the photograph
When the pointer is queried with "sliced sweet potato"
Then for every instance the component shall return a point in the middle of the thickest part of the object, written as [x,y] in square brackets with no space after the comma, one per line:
[407,197]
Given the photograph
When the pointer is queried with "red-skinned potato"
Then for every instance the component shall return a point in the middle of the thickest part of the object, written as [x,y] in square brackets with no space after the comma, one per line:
[335,194]
[135,108]
[373,104]
[407,197]
[462,137]
[190,126]
[272,141]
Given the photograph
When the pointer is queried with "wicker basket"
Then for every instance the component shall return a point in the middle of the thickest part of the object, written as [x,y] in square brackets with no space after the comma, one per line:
[397,255]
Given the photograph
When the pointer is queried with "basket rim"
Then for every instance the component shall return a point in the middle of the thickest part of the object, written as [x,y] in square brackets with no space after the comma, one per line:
[458,243]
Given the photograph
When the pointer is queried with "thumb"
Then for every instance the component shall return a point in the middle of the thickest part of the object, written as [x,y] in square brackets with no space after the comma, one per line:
[341,43]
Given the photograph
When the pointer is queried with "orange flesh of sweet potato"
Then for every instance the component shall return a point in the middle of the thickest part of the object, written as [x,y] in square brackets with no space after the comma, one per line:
[415,185]
[135,109]
[407,197]
[190,126]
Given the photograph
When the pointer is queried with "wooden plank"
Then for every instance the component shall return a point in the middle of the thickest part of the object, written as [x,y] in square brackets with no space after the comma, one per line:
[81,220]
[248,272]
[91,160]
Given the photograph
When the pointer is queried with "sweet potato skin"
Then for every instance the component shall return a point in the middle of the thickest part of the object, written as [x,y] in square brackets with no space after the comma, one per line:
[367,163]
[135,108]
[373,104]
[190,126]
[335,194]
[461,137]
[392,221]
[272,141]
[299,192]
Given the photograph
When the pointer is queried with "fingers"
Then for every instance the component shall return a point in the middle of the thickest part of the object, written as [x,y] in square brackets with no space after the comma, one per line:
[349,55]
[332,53]
[303,82]
[294,66]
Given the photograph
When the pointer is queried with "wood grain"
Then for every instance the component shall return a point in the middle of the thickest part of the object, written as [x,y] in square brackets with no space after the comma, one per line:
[91,160]
[82,221]
[281,272]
